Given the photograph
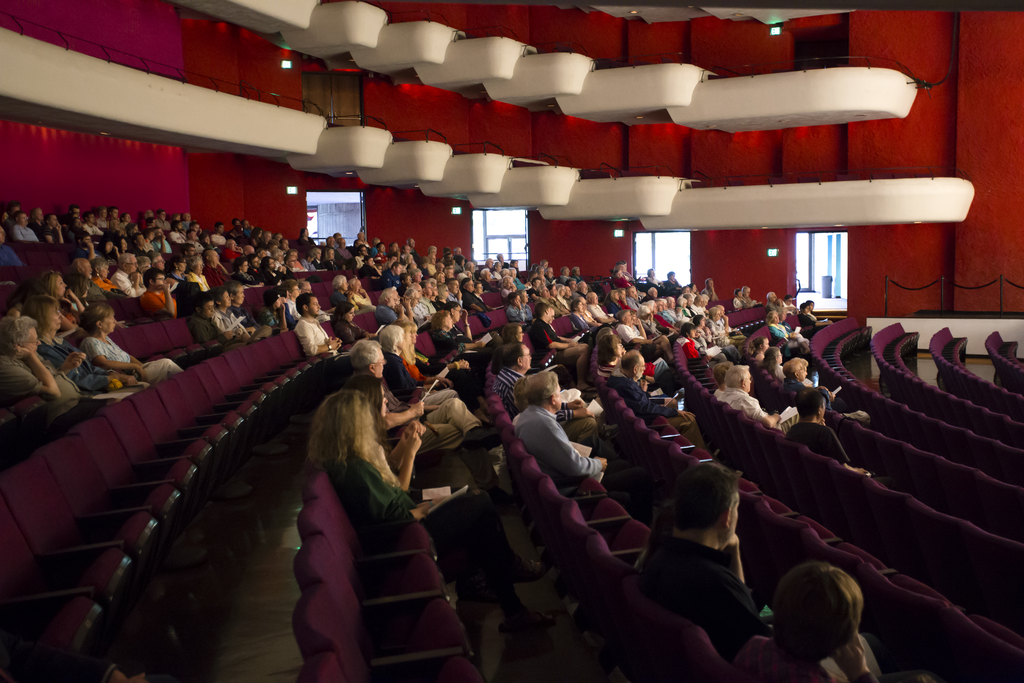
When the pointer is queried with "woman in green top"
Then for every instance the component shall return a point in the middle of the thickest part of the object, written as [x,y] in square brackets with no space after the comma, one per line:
[348,441]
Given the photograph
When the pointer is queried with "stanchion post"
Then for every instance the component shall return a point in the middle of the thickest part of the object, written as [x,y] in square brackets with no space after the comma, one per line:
[1000,295]
[886,296]
[942,296]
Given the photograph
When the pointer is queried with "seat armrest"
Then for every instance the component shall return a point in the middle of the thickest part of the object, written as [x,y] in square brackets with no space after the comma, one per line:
[64,567]
[608,522]
[371,562]
[401,600]
[412,664]
[132,495]
[106,524]
[29,615]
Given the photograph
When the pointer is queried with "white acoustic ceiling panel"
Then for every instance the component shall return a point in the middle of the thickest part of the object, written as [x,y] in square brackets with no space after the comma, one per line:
[616,199]
[344,149]
[471,62]
[539,79]
[407,164]
[466,174]
[819,97]
[634,94]
[262,16]
[813,205]
[401,47]
[531,186]
[335,29]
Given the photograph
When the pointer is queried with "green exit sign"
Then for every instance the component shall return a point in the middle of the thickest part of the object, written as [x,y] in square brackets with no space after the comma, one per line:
[773,252]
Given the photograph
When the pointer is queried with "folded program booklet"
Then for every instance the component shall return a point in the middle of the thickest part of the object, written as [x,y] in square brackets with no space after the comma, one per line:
[440,502]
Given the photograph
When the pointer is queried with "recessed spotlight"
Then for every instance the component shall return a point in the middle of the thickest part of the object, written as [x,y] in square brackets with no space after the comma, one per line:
[104,133]
[737,14]
[633,11]
[916,222]
[639,117]
[839,225]
[551,105]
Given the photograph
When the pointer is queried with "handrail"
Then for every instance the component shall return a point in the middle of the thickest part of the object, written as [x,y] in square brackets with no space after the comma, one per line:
[245,89]
[426,133]
[361,117]
[486,32]
[484,144]
[941,281]
[905,171]
[642,60]
[558,44]
[763,68]
[429,13]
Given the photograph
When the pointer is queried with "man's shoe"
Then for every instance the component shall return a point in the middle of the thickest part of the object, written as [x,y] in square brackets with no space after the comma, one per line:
[481,437]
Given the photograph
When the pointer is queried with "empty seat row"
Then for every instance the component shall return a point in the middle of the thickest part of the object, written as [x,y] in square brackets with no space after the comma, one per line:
[1004,359]
[961,382]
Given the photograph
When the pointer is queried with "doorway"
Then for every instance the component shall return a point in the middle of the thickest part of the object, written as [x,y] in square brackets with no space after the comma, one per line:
[821,264]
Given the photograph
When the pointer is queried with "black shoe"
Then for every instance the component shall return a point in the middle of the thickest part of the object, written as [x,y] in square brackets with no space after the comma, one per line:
[475,589]
[481,437]
[500,496]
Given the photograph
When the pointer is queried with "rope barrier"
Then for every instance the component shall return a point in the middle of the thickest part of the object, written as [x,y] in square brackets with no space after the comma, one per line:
[914,289]
[988,284]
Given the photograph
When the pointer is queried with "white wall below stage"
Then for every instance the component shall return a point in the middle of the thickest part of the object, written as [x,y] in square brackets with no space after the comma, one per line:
[975,329]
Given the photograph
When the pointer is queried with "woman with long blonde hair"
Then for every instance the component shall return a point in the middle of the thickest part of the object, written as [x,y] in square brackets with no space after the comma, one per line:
[354,458]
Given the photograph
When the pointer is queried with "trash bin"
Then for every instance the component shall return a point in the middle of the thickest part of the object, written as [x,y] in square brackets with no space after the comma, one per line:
[826,286]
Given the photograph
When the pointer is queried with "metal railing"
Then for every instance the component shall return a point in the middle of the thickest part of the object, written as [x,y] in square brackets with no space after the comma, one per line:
[869,174]
[808,63]
[941,281]
[113,55]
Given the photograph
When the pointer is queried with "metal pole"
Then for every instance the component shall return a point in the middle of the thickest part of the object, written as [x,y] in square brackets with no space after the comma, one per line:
[942,296]
[886,296]
[1000,295]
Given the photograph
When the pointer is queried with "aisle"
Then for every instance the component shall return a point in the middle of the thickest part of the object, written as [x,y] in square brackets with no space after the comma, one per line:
[229,621]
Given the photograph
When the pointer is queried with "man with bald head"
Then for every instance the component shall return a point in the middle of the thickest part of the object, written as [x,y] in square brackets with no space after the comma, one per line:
[95,292]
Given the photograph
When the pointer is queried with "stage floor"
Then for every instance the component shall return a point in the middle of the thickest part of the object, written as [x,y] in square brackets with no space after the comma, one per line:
[975,328]
[821,303]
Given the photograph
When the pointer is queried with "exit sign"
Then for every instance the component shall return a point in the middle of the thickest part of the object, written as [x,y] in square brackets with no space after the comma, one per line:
[456,210]
[773,252]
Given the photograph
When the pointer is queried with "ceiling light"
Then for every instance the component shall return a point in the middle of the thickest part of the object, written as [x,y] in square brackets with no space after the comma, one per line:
[286,63]
[738,14]
[104,133]
[551,105]
[632,11]
[839,225]
[639,117]
[916,222]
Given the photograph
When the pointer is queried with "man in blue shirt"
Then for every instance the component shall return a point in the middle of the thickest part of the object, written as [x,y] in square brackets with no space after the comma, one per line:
[392,277]
[7,255]
[557,457]
[389,307]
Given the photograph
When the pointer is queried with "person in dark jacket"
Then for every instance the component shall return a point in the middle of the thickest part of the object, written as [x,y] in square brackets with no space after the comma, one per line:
[27,662]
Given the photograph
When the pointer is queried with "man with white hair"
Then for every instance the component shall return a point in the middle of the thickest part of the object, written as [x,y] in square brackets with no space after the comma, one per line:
[449,425]
[737,394]
[128,278]
[389,307]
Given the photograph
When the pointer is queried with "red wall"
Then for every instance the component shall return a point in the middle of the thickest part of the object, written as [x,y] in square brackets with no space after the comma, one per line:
[990,146]
[53,168]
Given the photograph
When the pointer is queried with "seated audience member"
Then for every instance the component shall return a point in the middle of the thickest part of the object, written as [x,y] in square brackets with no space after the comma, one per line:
[24,374]
[360,467]
[719,372]
[203,328]
[574,417]
[695,569]
[128,278]
[235,299]
[737,394]
[89,378]
[396,374]
[242,273]
[452,426]
[774,303]
[270,272]
[157,301]
[230,251]
[447,337]
[582,321]
[98,322]
[545,440]
[517,311]
[594,308]
[811,430]
[389,307]
[809,324]
[20,232]
[709,290]
[273,314]
[570,352]
[464,382]
[213,271]
[470,300]
[291,291]
[99,288]
[339,285]
[723,334]
[634,336]
[744,300]
[344,329]
[795,371]
[21,660]
[49,231]
[194,272]
[779,330]
[358,297]
[68,304]
[816,615]
[773,364]
[632,389]
[755,350]
[311,335]
[7,255]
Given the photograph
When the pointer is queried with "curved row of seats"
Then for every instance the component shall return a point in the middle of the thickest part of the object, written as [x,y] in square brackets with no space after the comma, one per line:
[948,354]
[1004,359]
[901,422]
[87,519]
[886,526]
[890,345]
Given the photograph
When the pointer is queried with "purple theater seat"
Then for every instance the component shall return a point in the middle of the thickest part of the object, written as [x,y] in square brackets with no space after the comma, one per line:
[946,556]
[998,565]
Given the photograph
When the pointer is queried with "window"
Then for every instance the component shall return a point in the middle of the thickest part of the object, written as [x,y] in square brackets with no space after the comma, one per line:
[500,232]
[665,252]
[822,255]
[331,212]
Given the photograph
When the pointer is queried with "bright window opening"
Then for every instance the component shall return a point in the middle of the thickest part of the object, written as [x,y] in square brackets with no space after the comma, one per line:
[500,232]
[328,213]
[665,252]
